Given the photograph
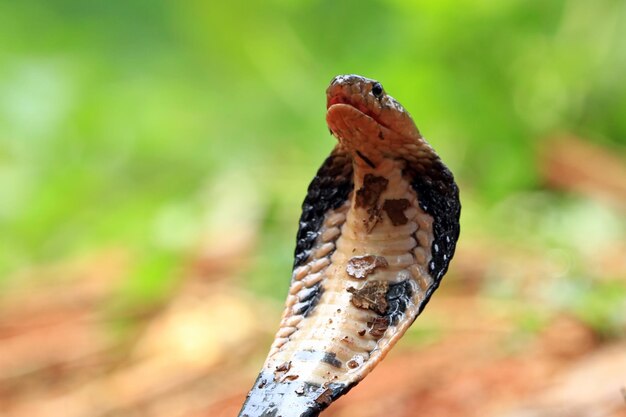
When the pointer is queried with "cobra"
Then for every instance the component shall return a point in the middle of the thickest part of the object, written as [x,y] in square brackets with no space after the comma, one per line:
[378,229]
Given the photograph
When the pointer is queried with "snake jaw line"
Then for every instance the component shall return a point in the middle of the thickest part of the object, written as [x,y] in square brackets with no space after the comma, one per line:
[378,229]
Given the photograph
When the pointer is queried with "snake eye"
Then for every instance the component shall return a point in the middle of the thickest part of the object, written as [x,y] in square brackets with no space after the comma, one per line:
[377,90]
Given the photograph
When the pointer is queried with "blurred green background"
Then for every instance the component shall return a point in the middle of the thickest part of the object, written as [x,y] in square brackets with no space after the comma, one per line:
[166,129]
[154,156]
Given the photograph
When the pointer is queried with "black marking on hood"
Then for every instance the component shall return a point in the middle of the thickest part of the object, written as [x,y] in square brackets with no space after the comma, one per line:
[328,191]
[308,299]
[398,297]
[309,355]
[331,359]
[290,398]
[438,195]
[366,159]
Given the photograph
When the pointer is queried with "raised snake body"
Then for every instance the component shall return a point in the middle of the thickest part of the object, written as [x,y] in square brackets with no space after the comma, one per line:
[378,228]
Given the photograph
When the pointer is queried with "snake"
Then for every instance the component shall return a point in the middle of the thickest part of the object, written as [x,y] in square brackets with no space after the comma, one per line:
[378,229]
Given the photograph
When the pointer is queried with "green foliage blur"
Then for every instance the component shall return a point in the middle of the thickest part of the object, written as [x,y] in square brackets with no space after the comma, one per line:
[154,125]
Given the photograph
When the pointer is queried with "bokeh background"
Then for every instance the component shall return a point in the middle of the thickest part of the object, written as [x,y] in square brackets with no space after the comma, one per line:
[154,156]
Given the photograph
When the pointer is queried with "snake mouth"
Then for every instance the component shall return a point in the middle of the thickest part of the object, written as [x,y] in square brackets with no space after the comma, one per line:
[360,107]
[359,131]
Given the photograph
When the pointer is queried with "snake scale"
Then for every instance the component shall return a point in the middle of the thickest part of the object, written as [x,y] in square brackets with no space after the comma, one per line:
[379,226]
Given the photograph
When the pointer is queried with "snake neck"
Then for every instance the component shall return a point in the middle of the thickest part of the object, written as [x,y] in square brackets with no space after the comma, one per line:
[368,243]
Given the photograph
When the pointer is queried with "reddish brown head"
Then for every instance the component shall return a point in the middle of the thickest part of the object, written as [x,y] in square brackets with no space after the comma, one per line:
[364,117]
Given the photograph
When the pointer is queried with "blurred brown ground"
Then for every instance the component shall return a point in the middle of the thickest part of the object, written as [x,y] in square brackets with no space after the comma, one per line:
[197,354]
